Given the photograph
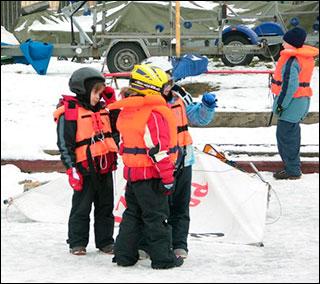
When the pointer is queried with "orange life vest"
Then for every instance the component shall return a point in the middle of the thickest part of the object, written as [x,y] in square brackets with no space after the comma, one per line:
[93,128]
[132,123]
[179,111]
[304,56]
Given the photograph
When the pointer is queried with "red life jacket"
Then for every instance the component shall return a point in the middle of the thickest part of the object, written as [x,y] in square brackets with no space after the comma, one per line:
[93,129]
[179,111]
[132,122]
[305,57]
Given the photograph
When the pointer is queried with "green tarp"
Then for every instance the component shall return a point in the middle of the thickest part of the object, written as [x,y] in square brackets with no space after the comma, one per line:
[142,17]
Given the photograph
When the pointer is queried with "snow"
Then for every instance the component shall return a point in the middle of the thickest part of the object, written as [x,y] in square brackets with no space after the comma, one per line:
[8,37]
[37,252]
[28,109]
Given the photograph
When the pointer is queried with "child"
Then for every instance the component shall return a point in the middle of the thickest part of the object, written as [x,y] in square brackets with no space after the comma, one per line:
[197,114]
[291,85]
[148,132]
[88,152]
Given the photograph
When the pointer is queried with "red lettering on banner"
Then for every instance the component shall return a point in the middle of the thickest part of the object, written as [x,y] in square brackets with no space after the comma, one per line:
[194,202]
[199,191]
[123,203]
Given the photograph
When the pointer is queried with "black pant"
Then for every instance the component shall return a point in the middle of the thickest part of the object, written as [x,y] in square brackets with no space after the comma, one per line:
[179,217]
[79,220]
[179,202]
[147,211]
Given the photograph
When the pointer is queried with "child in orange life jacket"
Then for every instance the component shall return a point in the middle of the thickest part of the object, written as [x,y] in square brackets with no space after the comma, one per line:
[197,114]
[88,151]
[148,132]
[291,85]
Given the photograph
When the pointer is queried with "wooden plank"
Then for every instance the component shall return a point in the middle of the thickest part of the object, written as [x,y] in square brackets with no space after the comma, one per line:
[307,167]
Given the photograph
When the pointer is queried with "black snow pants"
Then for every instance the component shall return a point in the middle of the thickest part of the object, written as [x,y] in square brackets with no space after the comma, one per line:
[79,220]
[179,202]
[179,217]
[147,211]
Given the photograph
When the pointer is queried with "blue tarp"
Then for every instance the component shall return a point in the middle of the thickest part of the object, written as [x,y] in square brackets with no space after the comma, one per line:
[189,65]
[38,54]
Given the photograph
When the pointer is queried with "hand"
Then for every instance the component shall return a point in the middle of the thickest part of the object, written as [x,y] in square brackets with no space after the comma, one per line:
[209,100]
[75,179]
[167,189]
[279,110]
[183,94]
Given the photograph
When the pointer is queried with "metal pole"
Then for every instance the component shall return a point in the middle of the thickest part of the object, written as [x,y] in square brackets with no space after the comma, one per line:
[178,47]
[171,28]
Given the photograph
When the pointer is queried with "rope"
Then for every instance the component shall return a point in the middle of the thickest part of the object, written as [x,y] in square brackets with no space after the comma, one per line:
[280,207]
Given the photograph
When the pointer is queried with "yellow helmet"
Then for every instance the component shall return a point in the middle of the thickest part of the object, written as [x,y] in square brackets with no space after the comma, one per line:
[148,80]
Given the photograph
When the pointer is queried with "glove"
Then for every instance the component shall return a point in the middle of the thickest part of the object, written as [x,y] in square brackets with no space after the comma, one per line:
[75,179]
[167,189]
[183,94]
[209,100]
[279,110]
[109,95]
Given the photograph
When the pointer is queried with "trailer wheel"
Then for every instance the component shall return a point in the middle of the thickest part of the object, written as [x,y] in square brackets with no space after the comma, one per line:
[234,59]
[123,56]
[274,51]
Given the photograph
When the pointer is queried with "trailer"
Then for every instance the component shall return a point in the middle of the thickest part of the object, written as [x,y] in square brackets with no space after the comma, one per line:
[236,44]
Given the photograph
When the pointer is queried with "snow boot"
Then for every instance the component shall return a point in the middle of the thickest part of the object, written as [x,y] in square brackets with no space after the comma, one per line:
[283,175]
[108,249]
[181,252]
[78,251]
[178,262]
[143,254]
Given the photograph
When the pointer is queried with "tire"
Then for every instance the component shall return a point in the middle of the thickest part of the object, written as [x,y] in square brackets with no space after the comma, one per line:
[275,52]
[123,56]
[236,59]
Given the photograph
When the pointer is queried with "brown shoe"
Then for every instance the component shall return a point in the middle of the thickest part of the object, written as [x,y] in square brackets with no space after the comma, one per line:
[78,251]
[108,249]
[283,175]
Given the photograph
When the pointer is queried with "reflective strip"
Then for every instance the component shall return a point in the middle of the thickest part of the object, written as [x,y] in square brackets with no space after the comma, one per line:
[147,138]
[160,156]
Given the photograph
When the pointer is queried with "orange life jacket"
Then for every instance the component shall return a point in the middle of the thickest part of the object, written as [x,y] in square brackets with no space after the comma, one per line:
[93,128]
[132,123]
[304,56]
[179,110]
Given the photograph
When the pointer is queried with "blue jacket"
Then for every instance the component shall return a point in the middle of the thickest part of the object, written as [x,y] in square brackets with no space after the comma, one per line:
[294,109]
[198,115]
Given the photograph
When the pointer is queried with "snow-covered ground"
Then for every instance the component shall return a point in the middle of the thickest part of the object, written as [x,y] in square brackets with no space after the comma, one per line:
[28,101]
[37,252]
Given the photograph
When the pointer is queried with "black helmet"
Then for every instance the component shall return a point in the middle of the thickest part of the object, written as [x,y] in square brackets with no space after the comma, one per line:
[77,82]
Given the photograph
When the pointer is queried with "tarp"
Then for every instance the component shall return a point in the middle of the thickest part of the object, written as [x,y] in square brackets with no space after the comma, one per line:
[226,203]
[189,65]
[38,54]
[142,17]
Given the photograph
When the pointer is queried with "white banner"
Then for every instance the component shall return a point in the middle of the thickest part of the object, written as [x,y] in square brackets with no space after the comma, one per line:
[226,203]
